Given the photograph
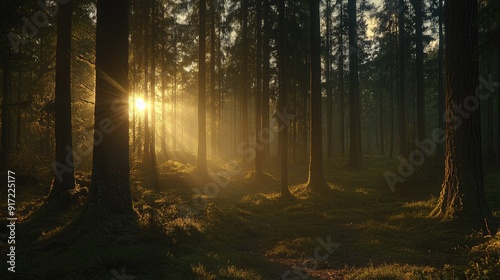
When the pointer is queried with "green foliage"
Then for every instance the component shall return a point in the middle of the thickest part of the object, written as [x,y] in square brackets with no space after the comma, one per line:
[247,232]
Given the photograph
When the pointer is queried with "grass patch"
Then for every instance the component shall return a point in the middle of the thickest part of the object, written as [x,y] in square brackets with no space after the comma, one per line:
[247,232]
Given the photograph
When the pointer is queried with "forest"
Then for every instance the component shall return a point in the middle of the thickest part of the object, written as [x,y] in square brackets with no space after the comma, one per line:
[250,139]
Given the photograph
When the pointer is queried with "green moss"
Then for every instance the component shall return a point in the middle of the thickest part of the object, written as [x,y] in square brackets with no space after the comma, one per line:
[247,232]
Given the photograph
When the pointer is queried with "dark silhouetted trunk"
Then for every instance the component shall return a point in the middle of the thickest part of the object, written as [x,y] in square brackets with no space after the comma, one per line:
[174,93]
[498,107]
[258,96]
[381,121]
[401,79]
[282,102]
[64,167]
[462,195]
[316,180]
[266,75]
[213,110]
[244,74]
[152,146]
[110,186]
[419,60]
[163,109]
[441,93]
[147,132]
[202,129]
[341,78]
[328,74]
[355,156]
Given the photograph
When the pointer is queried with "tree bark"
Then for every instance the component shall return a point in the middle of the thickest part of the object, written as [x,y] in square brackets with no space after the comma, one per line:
[355,156]
[164,115]
[258,97]
[381,122]
[401,78]
[419,61]
[441,93]
[202,133]
[64,167]
[110,186]
[282,103]
[147,132]
[266,74]
[244,74]
[328,70]
[341,77]
[152,145]
[213,110]
[462,195]
[316,180]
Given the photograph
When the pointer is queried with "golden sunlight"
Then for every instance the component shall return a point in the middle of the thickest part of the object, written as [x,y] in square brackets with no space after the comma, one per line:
[140,104]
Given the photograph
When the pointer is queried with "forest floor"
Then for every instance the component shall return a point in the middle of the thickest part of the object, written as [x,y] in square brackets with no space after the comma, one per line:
[359,229]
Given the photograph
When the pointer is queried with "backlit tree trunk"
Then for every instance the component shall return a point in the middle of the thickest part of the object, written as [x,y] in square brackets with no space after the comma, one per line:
[202,134]
[110,186]
[316,180]
[441,97]
[258,96]
[355,156]
[462,195]
[213,111]
[64,169]
[282,102]
[419,57]
[401,78]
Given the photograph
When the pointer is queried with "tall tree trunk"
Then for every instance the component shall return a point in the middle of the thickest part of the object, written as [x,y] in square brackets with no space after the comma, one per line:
[202,130]
[244,74]
[341,77]
[328,70]
[64,167]
[498,107]
[152,146]
[220,105]
[401,79]
[110,186]
[381,122]
[174,93]
[316,180]
[441,93]
[391,90]
[489,103]
[355,156]
[258,97]
[462,195]
[19,119]
[147,132]
[282,102]
[266,74]
[419,60]
[213,110]
[164,115]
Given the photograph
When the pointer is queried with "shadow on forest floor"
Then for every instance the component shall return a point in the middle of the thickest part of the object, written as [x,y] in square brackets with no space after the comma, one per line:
[359,229]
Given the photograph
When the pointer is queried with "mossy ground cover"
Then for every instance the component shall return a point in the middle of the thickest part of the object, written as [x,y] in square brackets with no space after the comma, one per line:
[247,231]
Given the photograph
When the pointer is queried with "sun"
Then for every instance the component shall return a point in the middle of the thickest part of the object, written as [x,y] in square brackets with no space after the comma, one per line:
[140,104]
